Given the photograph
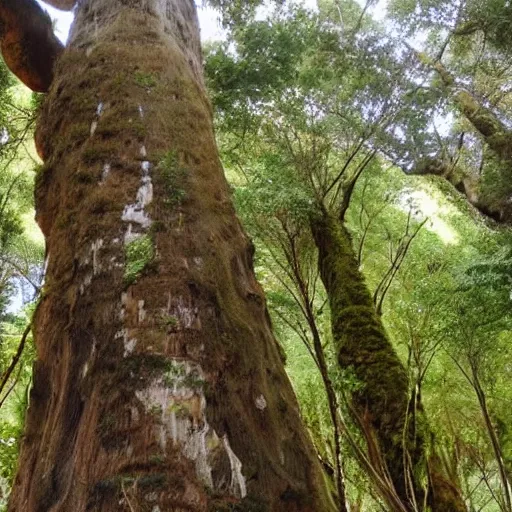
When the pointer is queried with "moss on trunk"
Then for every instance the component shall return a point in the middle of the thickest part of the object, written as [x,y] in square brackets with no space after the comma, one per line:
[158,383]
[381,400]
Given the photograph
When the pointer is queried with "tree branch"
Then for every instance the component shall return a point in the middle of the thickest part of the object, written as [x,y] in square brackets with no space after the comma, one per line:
[16,358]
[29,46]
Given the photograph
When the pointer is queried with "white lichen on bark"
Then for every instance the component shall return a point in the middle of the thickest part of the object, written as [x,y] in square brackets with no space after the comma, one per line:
[177,399]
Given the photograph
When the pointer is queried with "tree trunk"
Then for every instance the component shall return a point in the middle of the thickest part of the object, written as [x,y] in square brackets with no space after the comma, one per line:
[158,383]
[381,400]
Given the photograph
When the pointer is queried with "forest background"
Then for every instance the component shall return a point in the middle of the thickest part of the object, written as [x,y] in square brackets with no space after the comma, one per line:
[398,123]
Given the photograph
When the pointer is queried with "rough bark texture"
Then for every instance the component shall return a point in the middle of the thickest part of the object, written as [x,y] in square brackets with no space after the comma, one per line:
[64,5]
[28,44]
[158,384]
[363,347]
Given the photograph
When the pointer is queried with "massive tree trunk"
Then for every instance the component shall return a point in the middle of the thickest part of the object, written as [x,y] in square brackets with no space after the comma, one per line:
[381,403]
[158,384]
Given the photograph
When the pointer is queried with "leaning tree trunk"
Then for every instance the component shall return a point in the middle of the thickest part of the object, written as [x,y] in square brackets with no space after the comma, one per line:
[381,402]
[158,384]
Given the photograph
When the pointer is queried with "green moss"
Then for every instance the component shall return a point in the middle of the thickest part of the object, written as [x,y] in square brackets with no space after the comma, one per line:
[41,172]
[139,253]
[96,154]
[381,390]
[194,382]
[181,410]
[171,321]
[121,122]
[157,227]
[176,373]
[481,118]
[156,460]
[106,424]
[137,368]
[65,219]
[99,203]
[170,174]
[156,410]
[78,133]
[152,481]
[146,80]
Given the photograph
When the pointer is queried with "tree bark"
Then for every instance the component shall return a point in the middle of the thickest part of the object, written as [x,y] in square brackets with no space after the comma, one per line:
[29,46]
[158,383]
[381,399]
[63,5]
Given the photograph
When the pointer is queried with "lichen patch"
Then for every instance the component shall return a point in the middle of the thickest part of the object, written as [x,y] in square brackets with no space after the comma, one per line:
[95,248]
[186,313]
[141,311]
[238,487]
[105,172]
[129,346]
[261,403]
[177,399]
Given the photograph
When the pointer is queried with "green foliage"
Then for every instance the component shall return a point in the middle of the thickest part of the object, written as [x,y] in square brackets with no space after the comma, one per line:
[171,175]
[139,254]
[14,399]
[237,11]
[299,110]
[145,80]
[21,255]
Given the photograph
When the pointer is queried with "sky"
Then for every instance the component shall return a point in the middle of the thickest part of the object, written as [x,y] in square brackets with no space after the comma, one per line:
[208,19]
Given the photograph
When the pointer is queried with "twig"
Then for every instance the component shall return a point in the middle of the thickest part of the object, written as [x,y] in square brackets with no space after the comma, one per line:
[16,357]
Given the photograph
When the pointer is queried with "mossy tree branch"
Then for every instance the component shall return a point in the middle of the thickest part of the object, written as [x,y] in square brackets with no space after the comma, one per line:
[496,136]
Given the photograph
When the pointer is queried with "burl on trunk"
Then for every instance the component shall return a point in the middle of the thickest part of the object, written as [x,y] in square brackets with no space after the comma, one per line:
[158,384]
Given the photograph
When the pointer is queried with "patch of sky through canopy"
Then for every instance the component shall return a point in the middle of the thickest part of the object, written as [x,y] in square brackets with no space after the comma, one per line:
[208,19]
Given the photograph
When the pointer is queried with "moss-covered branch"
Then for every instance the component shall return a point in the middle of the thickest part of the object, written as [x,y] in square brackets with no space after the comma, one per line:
[362,346]
[484,120]
[467,184]
[481,189]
